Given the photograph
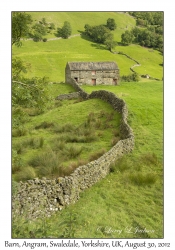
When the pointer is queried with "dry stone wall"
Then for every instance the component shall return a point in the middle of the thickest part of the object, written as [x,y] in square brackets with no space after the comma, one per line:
[70,96]
[42,197]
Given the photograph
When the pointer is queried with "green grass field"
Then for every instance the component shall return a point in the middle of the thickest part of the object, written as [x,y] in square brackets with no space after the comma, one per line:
[79,19]
[131,196]
[50,58]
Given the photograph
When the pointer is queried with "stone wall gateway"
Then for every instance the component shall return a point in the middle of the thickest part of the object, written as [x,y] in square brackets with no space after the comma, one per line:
[40,197]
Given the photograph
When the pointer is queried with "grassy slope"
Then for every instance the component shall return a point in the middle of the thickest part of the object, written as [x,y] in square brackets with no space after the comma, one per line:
[116,202]
[79,19]
[49,59]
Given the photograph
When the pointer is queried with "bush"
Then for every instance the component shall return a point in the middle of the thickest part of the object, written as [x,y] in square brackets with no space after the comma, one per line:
[149,159]
[72,151]
[141,179]
[58,144]
[17,162]
[21,131]
[121,165]
[97,155]
[130,78]
[58,103]
[116,132]
[47,163]
[26,173]
[44,39]
[115,140]
[68,127]
[65,31]
[44,125]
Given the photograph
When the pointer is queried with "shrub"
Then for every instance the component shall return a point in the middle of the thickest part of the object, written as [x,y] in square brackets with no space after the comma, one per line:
[44,39]
[65,31]
[59,144]
[142,179]
[47,163]
[115,140]
[97,155]
[80,99]
[109,116]
[67,170]
[19,148]
[14,187]
[17,162]
[98,124]
[72,151]
[45,159]
[149,159]
[26,173]
[68,127]
[53,171]
[121,165]
[58,103]
[134,77]
[116,132]
[44,125]
[41,142]
[21,131]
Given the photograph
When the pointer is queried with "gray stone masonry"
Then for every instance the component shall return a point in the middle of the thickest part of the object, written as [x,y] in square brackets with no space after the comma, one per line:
[92,73]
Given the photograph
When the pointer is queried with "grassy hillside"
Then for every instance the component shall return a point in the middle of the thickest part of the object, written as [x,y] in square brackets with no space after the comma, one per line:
[79,19]
[49,59]
[131,196]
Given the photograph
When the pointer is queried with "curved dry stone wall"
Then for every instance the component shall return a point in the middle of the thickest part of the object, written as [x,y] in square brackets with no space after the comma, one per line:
[135,65]
[42,197]
[70,96]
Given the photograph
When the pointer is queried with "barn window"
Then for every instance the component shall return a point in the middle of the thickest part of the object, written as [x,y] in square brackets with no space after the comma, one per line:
[93,72]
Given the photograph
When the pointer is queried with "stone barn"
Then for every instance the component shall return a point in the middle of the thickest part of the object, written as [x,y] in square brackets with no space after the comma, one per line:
[92,73]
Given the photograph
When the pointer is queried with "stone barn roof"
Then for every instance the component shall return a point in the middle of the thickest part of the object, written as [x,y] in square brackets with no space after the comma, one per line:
[92,65]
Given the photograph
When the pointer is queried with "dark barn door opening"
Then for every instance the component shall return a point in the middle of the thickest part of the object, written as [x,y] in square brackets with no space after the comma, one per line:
[114,81]
[76,79]
[93,81]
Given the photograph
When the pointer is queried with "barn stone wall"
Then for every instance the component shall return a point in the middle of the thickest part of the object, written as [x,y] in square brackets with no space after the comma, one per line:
[106,77]
[42,197]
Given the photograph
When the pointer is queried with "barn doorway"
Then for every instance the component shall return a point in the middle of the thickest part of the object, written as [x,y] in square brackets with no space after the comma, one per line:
[114,82]
[76,79]
[93,81]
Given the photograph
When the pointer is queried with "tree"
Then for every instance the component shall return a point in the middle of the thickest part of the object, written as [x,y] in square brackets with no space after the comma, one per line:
[100,33]
[65,31]
[39,30]
[109,42]
[111,24]
[20,26]
[97,33]
[27,92]
[127,37]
